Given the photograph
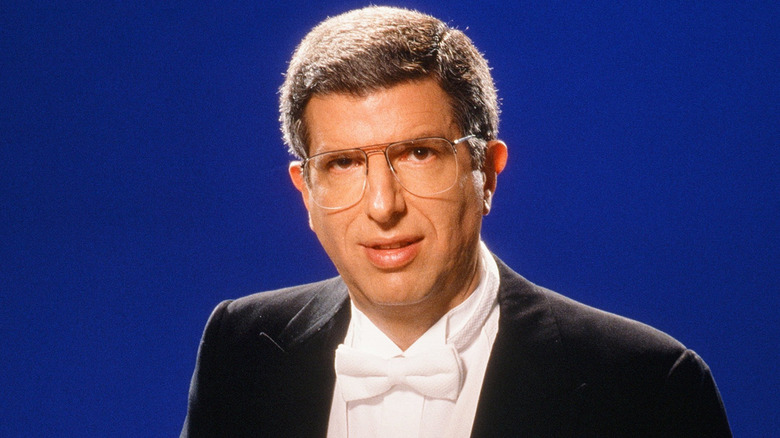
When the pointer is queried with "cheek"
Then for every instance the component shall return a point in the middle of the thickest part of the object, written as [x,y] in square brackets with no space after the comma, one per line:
[331,230]
[458,221]
[471,196]
[322,227]
[477,184]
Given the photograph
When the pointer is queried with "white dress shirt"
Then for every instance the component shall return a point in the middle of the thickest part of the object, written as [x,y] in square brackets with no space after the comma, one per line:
[470,327]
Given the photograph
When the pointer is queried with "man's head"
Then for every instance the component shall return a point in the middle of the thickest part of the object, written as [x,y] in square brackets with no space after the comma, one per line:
[407,249]
[369,49]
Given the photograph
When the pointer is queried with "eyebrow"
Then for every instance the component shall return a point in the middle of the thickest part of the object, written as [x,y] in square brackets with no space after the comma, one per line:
[423,134]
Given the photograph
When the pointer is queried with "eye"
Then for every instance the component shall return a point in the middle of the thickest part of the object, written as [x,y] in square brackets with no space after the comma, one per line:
[420,153]
[423,152]
[341,162]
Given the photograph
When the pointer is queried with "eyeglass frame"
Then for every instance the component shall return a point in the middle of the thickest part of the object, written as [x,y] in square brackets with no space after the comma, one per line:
[382,147]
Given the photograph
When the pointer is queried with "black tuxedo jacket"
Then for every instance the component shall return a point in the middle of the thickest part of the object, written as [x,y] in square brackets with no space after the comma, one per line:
[557,369]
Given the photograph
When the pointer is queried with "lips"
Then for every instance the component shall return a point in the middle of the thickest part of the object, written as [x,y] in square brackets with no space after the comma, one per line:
[392,254]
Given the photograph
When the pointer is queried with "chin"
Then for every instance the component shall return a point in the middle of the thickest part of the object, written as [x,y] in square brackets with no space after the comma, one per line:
[391,302]
[397,300]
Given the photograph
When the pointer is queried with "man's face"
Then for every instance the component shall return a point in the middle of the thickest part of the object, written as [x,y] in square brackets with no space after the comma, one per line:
[394,249]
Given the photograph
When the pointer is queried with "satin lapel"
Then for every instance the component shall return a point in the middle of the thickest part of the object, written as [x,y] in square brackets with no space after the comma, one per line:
[316,314]
[302,379]
[529,388]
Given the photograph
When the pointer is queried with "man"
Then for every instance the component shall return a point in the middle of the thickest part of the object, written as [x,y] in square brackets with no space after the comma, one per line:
[394,116]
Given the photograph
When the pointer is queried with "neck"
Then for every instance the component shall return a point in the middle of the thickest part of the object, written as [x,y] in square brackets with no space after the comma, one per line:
[402,327]
[405,324]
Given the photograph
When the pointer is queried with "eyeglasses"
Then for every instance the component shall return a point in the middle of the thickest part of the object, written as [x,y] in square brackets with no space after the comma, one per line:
[424,167]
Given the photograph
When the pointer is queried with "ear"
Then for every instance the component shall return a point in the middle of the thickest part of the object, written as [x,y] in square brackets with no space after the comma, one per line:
[495,161]
[296,175]
[295,169]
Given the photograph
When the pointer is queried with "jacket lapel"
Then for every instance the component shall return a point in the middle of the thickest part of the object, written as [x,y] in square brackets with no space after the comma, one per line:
[529,388]
[303,373]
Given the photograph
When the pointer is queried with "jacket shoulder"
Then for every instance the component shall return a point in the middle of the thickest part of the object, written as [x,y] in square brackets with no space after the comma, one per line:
[583,331]
[280,314]
[604,337]
[261,357]
[635,375]
[622,376]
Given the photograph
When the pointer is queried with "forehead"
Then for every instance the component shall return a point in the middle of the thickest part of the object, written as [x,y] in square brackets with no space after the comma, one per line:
[404,111]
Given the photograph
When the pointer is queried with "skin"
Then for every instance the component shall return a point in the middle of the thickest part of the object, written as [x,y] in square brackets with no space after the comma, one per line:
[406,260]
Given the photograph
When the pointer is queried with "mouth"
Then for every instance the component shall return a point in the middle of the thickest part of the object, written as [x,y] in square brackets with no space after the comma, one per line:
[394,245]
[392,254]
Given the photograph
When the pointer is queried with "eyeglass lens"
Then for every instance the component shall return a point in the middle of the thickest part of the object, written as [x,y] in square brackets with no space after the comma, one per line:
[424,167]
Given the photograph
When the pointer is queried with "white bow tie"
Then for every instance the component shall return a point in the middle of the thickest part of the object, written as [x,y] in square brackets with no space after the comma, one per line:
[435,373]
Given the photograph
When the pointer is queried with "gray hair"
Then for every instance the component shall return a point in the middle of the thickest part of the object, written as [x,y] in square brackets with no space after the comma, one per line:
[369,49]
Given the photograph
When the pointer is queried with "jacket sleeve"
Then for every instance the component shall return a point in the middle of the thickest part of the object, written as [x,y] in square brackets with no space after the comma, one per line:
[206,387]
[691,405]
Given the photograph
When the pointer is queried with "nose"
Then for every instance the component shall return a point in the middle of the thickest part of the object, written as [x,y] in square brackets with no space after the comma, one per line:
[384,195]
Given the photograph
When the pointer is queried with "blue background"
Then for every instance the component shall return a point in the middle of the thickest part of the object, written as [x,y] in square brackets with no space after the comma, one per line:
[143,180]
